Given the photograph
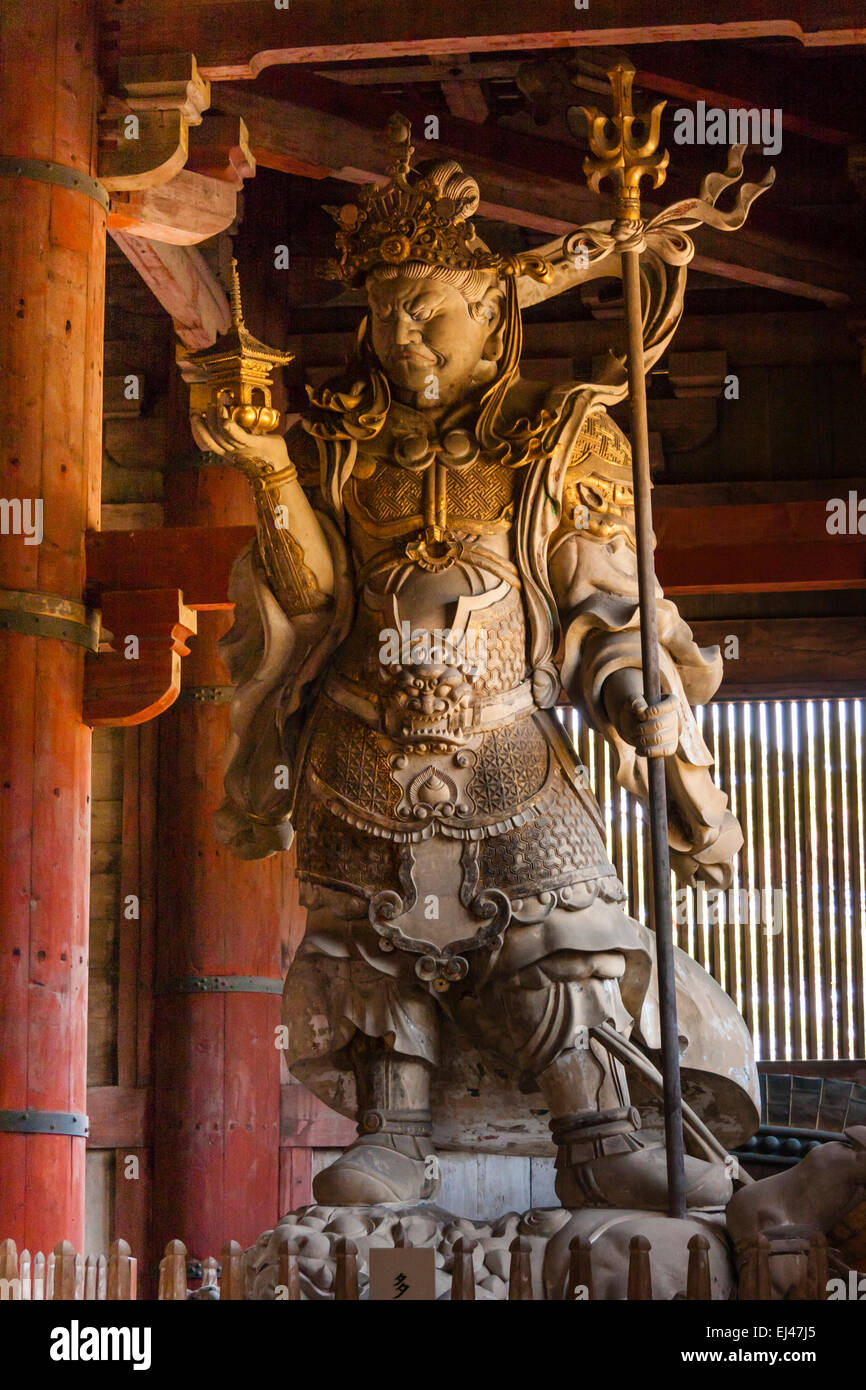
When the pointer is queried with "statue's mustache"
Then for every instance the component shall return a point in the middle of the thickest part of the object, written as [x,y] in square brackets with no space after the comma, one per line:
[418,353]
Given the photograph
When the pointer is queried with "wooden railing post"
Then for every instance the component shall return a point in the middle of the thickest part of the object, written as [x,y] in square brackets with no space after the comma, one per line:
[8,1259]
[11,1289]
[64,1271]
[232,1280]
[346,1274]
[172,1272]
[579,1270]
[698,1284]
[463,1270]
[122,1279]
[640,1284]
[520,1273]
[25,1268]
[288,1271]
[755,1271]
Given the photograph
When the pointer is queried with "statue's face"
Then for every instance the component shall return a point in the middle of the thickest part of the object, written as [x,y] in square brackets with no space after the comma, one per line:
[429,343]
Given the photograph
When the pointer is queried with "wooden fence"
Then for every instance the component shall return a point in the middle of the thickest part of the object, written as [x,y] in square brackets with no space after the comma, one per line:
[67,1275]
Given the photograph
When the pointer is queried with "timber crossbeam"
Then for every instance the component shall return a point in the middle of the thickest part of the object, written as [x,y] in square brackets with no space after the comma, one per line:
[762,547]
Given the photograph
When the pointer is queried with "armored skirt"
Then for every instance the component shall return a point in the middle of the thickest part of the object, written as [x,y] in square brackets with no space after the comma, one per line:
[430,950]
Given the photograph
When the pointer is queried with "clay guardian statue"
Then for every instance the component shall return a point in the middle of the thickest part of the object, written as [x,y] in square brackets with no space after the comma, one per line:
[444,551]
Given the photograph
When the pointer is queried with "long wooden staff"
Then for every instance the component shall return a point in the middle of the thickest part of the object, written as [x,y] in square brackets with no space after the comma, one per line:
[626,162]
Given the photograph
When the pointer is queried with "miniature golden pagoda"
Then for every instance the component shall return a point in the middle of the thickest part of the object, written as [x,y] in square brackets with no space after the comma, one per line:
[237,372]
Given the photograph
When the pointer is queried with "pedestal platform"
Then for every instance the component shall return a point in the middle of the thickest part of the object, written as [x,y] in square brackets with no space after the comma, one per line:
[549,1230]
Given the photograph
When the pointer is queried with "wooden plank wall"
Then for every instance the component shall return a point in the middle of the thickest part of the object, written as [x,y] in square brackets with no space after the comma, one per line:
[794,962]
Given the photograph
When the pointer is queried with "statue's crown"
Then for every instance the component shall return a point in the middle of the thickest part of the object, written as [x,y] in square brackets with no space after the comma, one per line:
[411,218]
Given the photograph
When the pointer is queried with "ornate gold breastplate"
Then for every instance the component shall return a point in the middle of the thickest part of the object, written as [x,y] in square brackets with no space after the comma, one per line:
[389,499]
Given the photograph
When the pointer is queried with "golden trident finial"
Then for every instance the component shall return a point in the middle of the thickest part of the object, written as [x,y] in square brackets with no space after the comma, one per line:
[621,160]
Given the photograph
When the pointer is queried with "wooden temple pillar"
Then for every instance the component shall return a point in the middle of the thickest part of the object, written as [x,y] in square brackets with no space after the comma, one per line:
[52,278]
[218,961]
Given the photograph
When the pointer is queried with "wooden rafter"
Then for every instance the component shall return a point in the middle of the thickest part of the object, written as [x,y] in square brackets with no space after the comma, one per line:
[465,96]
[761,547]
[184,284]
[524,180]
[240,39]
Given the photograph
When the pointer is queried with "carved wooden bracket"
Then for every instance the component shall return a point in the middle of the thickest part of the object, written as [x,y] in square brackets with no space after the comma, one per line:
[155,151]
[220,148]
[694,375]
[188,209]
[144,138]
[173,175]
[680,424]
[165,82]
[135,675]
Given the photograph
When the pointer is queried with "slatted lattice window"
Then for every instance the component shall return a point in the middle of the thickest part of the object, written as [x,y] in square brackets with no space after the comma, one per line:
[791,947]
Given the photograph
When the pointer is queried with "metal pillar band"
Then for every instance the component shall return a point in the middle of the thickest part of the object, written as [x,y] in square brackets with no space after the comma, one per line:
[68,1122]
[45,171]
[206,695]
[49,615]
[221,984]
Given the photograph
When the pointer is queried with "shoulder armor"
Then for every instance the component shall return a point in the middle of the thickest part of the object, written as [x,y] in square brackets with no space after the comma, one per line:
[598,496]
[601,449]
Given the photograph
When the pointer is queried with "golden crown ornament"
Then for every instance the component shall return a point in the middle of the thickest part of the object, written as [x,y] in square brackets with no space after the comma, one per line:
[409,219]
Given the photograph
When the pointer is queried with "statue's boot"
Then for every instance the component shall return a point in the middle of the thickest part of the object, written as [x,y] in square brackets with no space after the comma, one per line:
[393,1159]
[379,1168]
[602,1161]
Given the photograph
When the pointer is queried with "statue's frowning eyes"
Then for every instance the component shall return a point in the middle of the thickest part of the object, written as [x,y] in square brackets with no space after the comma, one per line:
[419,313]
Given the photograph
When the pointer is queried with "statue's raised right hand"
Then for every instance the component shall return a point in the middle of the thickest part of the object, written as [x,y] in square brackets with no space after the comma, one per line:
[215,432]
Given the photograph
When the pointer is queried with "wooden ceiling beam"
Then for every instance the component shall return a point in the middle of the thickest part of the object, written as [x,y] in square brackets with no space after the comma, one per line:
[240,39]
[438,69]
[811,338]
[465,97]
[786,78]
[838,126]
[184,284]
[789,658]
[691,92]
[524,180]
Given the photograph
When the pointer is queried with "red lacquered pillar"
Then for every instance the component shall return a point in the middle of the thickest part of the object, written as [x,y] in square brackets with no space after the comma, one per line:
[217,1006]
[52,278]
